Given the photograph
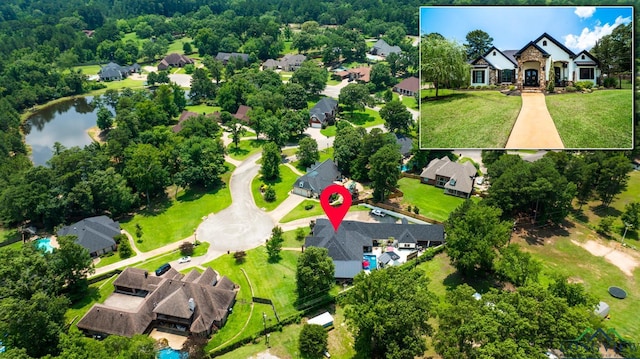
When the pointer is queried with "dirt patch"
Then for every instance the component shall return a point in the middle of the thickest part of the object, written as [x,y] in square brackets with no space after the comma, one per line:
[264,355]
[625,262]
[574,280]
[138,77]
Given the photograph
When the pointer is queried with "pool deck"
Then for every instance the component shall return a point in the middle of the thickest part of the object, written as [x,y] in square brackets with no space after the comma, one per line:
[175,341]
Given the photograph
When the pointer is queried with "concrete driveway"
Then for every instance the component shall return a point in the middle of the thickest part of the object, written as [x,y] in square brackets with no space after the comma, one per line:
[334,90]
[183,80]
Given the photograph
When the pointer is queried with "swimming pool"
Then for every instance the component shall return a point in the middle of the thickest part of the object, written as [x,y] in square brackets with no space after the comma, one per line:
[373,261]
[44,244]
[170,353]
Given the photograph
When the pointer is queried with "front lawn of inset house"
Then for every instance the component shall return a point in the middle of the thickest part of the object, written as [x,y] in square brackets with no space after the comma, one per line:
[473,119]
[601,119]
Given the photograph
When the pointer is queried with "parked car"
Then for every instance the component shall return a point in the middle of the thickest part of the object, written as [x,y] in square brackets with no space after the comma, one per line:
[378,212]
[163,269]
[184,259]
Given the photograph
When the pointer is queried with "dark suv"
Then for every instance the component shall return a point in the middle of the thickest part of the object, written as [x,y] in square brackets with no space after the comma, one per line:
[163,269]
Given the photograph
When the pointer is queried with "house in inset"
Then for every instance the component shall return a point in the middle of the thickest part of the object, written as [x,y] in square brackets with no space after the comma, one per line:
[530,67]
[323,112]
[95,234]
[408,87]
[381,48]
[224,57]
[347,246]
[388,259]
[115,72]
[174,60]
[455,178]
[192,304]
[318,177]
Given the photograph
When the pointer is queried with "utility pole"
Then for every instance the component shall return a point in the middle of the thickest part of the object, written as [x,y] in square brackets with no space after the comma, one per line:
[626,227]
[264,322]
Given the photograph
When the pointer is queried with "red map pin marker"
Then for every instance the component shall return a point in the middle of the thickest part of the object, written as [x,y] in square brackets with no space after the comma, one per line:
[335,214]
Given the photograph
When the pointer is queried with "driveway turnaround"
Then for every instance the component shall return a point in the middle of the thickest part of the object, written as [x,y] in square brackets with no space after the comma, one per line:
[534,127]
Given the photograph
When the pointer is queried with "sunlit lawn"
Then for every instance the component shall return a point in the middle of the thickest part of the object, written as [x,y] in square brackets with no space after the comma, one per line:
[176,46]
[431,201]
[154,263]
[97,293]
[363,118]
[88,69]
[410,102]
[601,119]
[325,154]
[117,85]
[300,212]
[282,185]
[472,119]
[203,108]
[245,149]
[178,218]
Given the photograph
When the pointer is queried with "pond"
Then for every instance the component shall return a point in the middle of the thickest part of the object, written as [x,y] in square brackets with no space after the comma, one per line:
[66,122]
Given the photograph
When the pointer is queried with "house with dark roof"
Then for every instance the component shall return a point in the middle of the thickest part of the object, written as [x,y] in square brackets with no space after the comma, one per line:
[115,72]
[405,143]
[530,66]
[455,178]
[174,60]
[224,57]
[360,74]
[318,177]
[196,303]
[323,112]
[95,234]
[408,87]
[288,62]
[353,239]
[382,48]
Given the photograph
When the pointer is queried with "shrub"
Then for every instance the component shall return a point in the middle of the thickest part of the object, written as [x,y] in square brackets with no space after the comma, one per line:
[581,85]
[492,87]
[610,82]
[189,68]
[269,194]
[484,87]
[240,256]
[571,89]
[300,234]
[186,248]
[124,248]
[416,210]
[409,208]
[309,207]
[120,238]
[512,87]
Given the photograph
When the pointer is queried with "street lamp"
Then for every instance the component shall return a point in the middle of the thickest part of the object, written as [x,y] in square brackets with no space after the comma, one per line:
[626,227]
[264,322]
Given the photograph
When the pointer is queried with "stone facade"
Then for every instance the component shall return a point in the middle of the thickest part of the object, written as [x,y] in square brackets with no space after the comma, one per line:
[493,76]
[532,55]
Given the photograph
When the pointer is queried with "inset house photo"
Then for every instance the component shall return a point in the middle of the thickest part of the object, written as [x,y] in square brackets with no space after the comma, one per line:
[526,77]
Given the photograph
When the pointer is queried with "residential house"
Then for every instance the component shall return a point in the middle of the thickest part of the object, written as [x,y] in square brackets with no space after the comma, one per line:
[174,60]
[408,87]
[224,57]
[405,143]
[456,179]
[636,163]
[242,114]
[359,74]
[318,177]
[95,234]
[381,48]
[115,72]
[271,64]
[353,239]
[195,303]
[185,115]
[530,67]
[288,62]
[323,112]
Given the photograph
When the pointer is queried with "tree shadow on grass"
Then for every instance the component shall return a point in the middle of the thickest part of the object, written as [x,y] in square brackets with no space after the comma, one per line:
[197,192]
[481,282]
[92,294]
[447,98]
[537,234]
[603,211]
[358,118]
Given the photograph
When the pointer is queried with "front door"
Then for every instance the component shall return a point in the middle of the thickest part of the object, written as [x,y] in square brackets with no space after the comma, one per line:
[531,78]
[558,80]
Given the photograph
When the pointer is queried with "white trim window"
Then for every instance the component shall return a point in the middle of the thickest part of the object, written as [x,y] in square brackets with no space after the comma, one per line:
[478,76]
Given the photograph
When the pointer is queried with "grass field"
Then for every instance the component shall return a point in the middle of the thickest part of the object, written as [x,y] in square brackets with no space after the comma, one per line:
[88,69]
[245,149]
[364,118]
[299,212]
[282,185]
[481,119]
[179,218]
[203,108]
[410,102]
[325,154]
[601,119]
[176,46]
[97,293]
[431,201]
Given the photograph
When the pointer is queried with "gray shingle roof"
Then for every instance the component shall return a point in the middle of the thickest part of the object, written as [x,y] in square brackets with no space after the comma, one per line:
[461,175]
[319,176]
[324,106]
[405,143]
[382,48]
[225,56]
[94,234]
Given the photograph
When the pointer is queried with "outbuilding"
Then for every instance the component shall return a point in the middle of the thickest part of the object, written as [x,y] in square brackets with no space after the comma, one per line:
[325,320]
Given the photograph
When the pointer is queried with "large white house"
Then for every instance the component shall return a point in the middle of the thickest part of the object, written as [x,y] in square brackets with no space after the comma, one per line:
[530,67]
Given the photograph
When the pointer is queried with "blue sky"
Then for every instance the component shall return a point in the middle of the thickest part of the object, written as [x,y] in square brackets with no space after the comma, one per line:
[578,28]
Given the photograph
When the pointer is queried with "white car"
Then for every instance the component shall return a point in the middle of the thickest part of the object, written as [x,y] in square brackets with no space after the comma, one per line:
[184,259]
[378,212]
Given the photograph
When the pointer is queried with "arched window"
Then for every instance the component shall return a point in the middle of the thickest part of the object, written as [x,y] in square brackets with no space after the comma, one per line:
[583,57]
[494,53]
[544,43]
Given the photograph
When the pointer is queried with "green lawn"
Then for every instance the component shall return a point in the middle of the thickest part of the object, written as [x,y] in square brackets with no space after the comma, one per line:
[287,48]
[8,234]
[176,46]
[474,119]
[131,36]
[325,154]
[97,293]
[282,185]
[329,131]
[431,201]
[364,118]
[410,102]
[153,263]
[290,240]
[179,218]
[203,108]
[601,119]
[299,212]
[245,149]
[128,82]
[88,69]
[246,134]
[426,93]
[279,286]
[109,259]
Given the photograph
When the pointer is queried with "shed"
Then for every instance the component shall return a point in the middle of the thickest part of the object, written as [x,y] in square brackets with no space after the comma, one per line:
[325,320]
[602,310]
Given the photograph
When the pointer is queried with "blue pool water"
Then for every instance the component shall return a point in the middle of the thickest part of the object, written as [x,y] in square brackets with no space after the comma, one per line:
[373,261]
[170,353]
[404,168]
[44,244]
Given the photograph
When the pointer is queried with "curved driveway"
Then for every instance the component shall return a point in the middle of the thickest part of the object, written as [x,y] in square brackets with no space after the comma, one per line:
[242,225]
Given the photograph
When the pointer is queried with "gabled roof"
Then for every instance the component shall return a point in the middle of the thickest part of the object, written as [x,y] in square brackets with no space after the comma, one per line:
[362,73]
[592,59]
[405,143]
[94,234]
[243,113]
[225,56]
[137,278]
[460,175]
[510,54]
[558,43]
[324,106]
[319,176]
[292,59]
[531,43]
[508,57]
[176,58]
[475,62]
[410,84]
[385,48]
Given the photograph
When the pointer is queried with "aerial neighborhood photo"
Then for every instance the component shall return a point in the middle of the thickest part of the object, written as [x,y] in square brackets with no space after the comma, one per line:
[335,179]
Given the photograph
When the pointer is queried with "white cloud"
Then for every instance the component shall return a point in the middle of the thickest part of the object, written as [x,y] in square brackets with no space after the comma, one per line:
[587,38]
[585,12]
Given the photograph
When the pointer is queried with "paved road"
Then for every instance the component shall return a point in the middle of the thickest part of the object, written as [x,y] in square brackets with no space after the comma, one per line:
[334,90]
[534,127]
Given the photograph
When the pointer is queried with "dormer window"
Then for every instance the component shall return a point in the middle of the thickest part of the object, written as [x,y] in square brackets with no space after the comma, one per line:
[544,43]
[494,53]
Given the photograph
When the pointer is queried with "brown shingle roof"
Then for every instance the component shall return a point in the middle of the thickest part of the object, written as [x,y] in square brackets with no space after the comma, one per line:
[242,113]
[410,84]
[137,279]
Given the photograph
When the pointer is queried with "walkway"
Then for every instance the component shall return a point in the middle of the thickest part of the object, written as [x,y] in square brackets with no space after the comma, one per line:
[534,127]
